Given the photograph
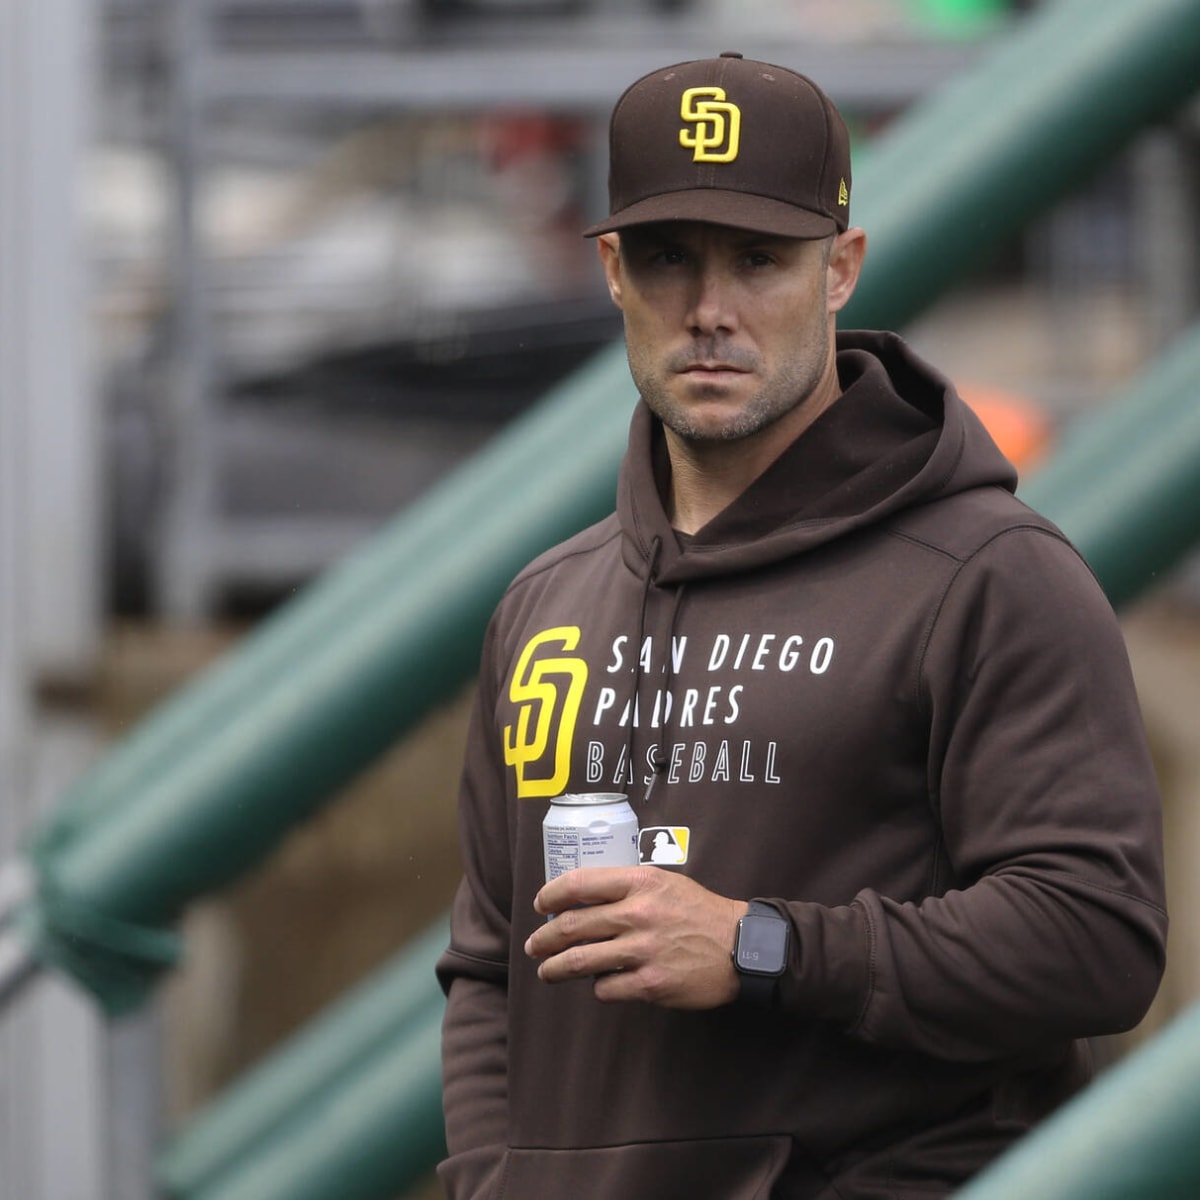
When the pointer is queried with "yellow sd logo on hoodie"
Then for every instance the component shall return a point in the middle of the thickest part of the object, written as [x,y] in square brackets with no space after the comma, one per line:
[548,692]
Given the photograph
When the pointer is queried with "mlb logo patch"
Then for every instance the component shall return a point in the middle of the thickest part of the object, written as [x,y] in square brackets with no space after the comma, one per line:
[664,845]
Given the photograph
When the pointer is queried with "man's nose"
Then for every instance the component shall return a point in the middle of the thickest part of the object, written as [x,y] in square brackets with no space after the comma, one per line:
[711,308]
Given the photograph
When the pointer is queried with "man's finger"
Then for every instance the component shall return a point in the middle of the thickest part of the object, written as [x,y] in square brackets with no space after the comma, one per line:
[586,885]
[568,928]
[589,961]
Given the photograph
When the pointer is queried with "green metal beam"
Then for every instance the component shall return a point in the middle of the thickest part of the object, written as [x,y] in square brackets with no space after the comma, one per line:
[558,456]
[535,455]
[1130,1136]
[1125,484]
[375,1135]
[399,1002]
[248,754]
[974,161]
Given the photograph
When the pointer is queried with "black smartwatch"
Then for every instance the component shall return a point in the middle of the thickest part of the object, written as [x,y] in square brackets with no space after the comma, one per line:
[760,952]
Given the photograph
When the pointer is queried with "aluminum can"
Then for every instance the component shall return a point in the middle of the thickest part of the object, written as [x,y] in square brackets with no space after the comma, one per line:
[589,829]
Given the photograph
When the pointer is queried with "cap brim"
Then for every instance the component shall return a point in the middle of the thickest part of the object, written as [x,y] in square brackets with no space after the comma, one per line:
[739,210]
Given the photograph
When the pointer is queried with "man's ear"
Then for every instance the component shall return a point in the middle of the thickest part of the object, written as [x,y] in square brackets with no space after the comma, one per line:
[845,265]
[608,246]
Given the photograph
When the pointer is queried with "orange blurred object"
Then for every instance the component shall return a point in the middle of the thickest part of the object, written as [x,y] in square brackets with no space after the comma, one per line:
[1021,430]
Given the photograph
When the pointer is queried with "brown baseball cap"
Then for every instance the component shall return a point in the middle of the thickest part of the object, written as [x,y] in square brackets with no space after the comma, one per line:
[729,141]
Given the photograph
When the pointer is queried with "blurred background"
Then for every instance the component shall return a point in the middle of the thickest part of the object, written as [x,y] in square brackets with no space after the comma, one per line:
[271,269]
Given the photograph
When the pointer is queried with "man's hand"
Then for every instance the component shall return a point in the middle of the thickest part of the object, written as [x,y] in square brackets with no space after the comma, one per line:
[645,934]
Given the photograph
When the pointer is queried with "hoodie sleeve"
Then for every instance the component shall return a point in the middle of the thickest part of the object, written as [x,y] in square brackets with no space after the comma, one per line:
[1052,926]
[473,972]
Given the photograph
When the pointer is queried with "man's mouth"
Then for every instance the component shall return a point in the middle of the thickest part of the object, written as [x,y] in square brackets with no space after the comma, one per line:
[712,368]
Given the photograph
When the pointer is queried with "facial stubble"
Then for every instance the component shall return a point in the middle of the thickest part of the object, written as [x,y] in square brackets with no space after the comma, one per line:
[788,387]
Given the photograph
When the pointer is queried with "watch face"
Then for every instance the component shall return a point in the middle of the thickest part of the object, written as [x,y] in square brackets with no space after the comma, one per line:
[762,945]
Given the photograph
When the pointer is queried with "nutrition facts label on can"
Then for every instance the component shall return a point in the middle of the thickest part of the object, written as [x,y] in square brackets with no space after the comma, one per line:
[562,851]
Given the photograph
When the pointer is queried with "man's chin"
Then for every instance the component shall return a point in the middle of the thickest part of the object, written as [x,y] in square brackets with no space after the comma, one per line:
[716,414]
[709,430]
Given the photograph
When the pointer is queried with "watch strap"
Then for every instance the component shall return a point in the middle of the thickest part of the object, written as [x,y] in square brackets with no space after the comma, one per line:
[757,990]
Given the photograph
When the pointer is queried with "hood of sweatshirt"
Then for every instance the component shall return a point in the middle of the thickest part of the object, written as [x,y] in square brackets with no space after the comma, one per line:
[898,437]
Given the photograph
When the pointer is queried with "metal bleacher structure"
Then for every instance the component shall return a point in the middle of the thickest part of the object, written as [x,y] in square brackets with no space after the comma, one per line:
[211,781]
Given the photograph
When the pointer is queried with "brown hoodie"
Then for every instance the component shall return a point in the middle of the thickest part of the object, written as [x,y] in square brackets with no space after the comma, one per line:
[889,699]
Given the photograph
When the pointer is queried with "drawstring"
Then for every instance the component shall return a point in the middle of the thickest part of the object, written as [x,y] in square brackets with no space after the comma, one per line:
[657,766]
[658,761]
[647,584]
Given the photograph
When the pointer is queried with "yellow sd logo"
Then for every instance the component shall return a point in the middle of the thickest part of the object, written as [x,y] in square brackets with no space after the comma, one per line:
[717,125]
[541,701]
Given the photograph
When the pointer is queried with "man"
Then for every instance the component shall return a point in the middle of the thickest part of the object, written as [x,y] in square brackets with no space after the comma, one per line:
[881,709]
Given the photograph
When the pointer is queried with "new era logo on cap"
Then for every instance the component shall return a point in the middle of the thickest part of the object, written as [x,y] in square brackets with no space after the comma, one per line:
[730,141]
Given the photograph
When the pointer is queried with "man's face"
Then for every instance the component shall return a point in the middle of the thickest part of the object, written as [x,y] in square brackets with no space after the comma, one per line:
[727,331]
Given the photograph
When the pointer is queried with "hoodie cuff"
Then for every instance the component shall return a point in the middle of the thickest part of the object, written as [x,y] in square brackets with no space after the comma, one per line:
[829,968]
